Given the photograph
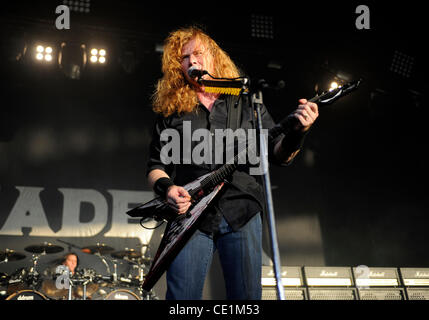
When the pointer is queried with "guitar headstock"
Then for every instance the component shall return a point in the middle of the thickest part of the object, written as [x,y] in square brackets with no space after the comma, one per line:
[332,95]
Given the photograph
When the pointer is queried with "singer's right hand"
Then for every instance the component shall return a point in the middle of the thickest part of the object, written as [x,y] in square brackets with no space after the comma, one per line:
[178,199]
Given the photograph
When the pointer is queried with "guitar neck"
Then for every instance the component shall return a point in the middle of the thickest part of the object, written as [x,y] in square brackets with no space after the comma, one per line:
[324,98]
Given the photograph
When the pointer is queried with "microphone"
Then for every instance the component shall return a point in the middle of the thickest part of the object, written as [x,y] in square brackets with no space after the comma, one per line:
[194,72]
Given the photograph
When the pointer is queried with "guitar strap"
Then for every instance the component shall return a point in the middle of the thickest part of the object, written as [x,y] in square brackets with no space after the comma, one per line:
[235,106]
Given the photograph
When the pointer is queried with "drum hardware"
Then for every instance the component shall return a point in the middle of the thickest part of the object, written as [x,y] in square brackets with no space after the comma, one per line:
[81,285]
[139,262]
[4,278]
[25,278]
[75,283]
[38,250]
[115,272]
[10,255]
[70,288]
[99,250]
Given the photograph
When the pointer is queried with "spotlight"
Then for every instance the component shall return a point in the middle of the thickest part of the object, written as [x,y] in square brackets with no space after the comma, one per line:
[262,26]
[402,64]
[43,53]
[98,55]
[334,85]
[82,6]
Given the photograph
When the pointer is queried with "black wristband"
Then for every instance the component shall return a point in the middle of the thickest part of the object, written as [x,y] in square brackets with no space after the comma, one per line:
[293,141]
[161,186]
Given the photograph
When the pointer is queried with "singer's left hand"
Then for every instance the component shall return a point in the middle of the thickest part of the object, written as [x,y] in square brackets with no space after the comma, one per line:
[307,112]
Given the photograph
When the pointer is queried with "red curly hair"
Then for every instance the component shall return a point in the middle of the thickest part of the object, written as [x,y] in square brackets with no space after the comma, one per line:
[173,93]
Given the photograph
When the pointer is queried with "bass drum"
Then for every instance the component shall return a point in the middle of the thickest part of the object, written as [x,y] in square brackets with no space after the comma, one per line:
[27,295]
[121,294]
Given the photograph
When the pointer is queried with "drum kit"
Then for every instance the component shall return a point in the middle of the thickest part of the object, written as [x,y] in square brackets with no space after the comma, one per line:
[58,283]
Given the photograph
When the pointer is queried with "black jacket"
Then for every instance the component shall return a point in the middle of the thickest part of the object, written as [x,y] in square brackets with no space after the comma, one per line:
[243,196]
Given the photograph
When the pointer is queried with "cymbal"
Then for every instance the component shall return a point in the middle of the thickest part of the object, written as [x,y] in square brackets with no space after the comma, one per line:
[11,255]
[44,247]
[50,289]
[100,248]
[91,288]
[129,253]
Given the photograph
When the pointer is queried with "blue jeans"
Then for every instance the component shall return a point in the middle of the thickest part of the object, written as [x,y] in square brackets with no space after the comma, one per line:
[240,255]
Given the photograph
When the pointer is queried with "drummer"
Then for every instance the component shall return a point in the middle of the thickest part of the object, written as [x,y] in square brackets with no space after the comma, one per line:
[71,261]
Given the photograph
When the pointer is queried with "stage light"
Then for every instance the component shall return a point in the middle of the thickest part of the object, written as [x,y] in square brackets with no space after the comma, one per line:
[334,85]
[82,6]
[44,53]
[262,26]
[402,64]
[98,55]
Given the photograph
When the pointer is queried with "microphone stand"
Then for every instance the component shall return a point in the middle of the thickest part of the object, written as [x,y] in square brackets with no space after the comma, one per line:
[256,103]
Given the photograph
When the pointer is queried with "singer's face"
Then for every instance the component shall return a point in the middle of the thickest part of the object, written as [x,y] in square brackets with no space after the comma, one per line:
[194,54]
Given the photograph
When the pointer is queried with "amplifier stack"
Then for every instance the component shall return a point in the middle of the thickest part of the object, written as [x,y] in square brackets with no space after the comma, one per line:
[416,282]
[347,283]
[292,282]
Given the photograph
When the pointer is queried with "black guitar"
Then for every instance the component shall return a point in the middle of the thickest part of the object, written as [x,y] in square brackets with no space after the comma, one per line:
[202,191]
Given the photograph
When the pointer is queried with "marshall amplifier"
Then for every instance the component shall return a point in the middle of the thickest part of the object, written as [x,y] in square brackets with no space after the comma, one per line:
[270,293]
[376,277]
[378,283]
[415,277]
[291,280]
[328,276]
[382,294]
[416,282]
[332,294]
[330,283]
